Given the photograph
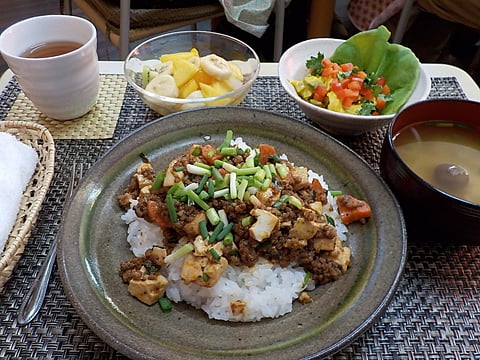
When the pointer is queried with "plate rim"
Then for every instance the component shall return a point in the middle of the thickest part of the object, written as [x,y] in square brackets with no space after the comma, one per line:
[83,309]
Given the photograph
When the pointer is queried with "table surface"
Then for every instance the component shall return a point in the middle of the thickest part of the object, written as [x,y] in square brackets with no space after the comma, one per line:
[435,313]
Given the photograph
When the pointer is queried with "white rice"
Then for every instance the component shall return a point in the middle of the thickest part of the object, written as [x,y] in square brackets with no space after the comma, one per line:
[268,290]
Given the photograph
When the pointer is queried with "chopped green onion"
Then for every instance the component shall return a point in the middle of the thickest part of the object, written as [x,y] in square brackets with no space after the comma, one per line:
[228,139]
[335,192]
[266,184]
[165,304]
[175,188]
[273,170]
[282,170]
[250,161]
[214,254]
[229,167]
[205,277]
[197,151]
[213,236]
[260,174]
[203,195]
[218,163]
[202,183]
[307,277]
[280,201]
[228,239]
[202,165]
[212,216]
[228,151]
[247,221]
[330,219]
[179,168]
[233,185]
[275,159]
[180,253]
[211,187]
[241,189]
[226,229]
[292,200]
[198,170]
[157,184]
[202,225]
[220,193]
[197,200]
[216,174]
[247,171]
[171,208]
[223,216]
[268,172]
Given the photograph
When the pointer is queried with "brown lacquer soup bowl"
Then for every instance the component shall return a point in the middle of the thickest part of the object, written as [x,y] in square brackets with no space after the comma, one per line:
[431,160]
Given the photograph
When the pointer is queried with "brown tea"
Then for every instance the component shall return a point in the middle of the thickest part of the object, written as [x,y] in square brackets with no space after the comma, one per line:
[51,49]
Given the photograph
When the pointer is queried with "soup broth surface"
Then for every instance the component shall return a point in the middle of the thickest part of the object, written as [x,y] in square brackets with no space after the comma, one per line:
[51,49]
[430,148]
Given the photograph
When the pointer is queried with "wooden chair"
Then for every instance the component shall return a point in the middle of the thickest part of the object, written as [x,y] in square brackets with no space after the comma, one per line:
[121,24]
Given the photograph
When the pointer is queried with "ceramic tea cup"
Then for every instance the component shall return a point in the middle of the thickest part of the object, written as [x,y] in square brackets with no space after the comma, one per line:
[54,59]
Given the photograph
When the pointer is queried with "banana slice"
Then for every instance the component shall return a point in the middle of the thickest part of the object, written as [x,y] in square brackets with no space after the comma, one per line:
[233,83]
[195,60]
[216,66]
[163,85]
[164,68]
[197,94]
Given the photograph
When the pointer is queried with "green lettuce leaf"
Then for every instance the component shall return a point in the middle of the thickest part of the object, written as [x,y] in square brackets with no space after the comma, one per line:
[371,51]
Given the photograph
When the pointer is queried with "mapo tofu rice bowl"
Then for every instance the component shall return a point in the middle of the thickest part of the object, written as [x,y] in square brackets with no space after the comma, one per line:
[234,229]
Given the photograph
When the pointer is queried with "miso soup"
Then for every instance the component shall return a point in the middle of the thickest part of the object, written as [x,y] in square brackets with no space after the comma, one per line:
[445,154]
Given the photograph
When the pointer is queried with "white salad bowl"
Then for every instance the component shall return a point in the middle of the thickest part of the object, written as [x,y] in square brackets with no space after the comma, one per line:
[292,67]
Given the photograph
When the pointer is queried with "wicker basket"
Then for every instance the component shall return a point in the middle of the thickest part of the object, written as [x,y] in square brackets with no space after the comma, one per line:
[41,140]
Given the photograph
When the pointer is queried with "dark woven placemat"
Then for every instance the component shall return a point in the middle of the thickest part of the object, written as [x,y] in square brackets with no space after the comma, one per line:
[434,315]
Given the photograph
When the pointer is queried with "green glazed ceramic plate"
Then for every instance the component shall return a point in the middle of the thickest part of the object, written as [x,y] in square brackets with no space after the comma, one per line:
[93,244]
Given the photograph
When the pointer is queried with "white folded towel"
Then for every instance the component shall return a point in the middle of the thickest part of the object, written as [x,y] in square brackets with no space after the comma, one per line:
[17,165]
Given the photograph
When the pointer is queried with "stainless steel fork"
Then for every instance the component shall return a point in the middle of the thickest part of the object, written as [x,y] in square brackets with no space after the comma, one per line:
[34,299]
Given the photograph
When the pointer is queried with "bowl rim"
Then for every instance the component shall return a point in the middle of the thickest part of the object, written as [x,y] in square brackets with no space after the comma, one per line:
[389,139]
[167,99]
[306,104]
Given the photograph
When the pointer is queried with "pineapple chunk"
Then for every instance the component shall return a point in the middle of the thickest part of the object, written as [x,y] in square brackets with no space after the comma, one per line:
[236,72]
[189,87]
[183,71]
[184,55]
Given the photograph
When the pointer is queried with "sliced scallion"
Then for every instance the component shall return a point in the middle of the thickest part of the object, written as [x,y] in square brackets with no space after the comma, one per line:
[171,208]
[211,187]
[228,239]
[165,304]
[226,229]
[233,186]
[212,216]
[202,183]
[214,254]
[213,236]
[197,200]
[242,188]
[282,170]
[202,226]
[157,184]
[179,253]
[228,151]
[294,201]
[216,174]
[221,192]
[335,192]
[223,216]
[198,170]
